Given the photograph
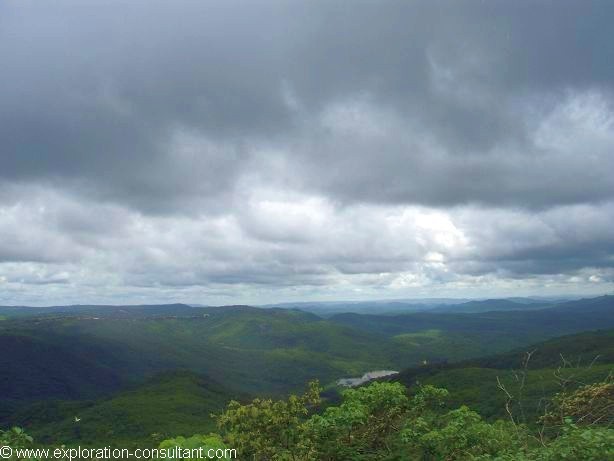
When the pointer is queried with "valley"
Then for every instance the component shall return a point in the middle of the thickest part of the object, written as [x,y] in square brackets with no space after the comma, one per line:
[104,364]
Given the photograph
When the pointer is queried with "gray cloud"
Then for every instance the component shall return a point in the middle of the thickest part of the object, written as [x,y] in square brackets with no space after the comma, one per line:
[312,148]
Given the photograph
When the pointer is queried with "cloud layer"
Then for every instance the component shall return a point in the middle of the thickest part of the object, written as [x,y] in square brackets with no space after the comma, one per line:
[259,151]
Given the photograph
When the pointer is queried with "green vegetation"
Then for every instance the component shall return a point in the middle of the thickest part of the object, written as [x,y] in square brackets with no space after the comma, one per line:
[491,305]
[268,351]
[381,422]
[479,388]
[168,404]
[502,330]
[555,365]
[85,352]
[138,378]
[42,365]
[205,442]
[437,345]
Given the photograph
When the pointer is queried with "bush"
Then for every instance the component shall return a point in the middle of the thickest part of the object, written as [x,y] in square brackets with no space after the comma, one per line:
[206,442]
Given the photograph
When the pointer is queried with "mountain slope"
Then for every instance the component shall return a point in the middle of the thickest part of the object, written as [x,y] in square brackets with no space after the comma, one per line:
[267,351]
[491,305]
[47,365]
[556,364]
[169,404]
[504,330]
[88,311]
[261,350]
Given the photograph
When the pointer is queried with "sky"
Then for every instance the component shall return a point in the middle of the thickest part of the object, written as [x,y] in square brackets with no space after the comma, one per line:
[269,151]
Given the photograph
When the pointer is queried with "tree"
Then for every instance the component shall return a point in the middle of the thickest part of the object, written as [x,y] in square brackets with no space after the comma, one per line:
[592,404]
[271,430]
[362,424]
[204,442]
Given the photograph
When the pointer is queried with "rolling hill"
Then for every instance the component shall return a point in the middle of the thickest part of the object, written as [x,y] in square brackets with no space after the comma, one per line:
[167,404]
[85,352]
[492,331]
[556,364]
[268,351]
[138,370]
[492,305]
[261,350]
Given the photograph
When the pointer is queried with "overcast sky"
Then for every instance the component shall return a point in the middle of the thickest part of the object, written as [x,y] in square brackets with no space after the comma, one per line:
[254,152]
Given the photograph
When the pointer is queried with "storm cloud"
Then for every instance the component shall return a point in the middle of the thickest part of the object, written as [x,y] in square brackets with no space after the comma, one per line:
[221,152]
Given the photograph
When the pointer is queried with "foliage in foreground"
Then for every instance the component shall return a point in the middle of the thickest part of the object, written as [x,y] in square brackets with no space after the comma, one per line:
[206,442]
[381,422]
[15,438]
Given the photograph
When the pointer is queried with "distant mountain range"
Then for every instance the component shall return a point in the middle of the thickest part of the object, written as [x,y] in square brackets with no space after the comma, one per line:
[322,309]
[492,305]
[327,309]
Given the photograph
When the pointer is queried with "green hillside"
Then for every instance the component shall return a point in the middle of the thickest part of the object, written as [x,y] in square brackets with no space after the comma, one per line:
[91,352]
[438,345]
[554,365]
[492,332]
[261,350]
[578,350]
[491,305]
[177,403]
[478,388]
[87,310]
[104,368]
[131,379]
[37,365]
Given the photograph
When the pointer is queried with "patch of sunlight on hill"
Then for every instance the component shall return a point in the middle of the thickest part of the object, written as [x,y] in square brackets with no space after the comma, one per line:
[437,345]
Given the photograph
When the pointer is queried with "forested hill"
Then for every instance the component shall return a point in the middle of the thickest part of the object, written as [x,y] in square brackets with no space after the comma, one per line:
[96,310]
[532,374]
[92,350]
[584,349]
[179,402]
[561,319]
[491,305]
[157,368]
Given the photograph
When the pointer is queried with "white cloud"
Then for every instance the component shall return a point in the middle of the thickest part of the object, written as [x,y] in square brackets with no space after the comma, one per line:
[282,244]
[278,152]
